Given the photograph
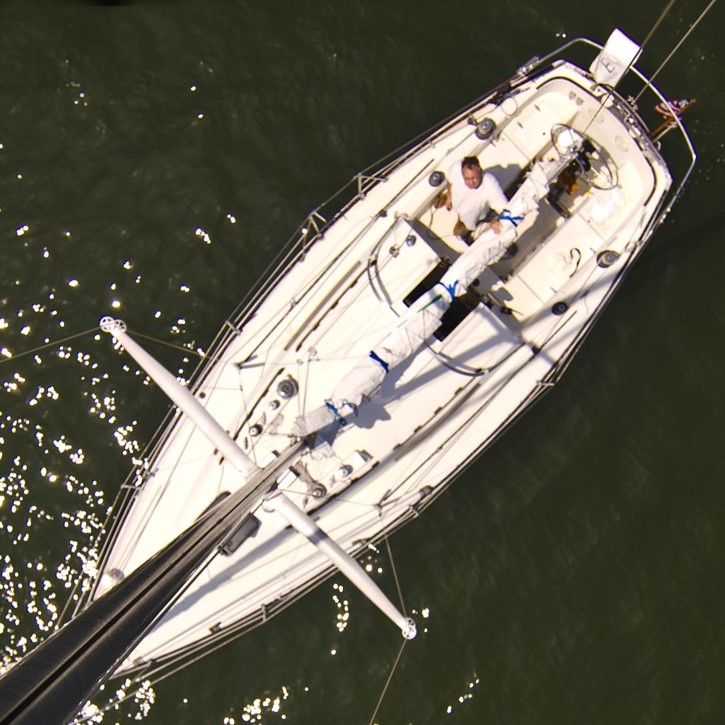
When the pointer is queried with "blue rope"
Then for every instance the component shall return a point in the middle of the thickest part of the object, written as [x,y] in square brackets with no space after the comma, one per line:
[380,361]
[338,415]
[506,216]
[335,412]
[450,288]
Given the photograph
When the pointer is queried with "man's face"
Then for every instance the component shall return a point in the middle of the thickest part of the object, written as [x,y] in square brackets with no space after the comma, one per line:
[472,177]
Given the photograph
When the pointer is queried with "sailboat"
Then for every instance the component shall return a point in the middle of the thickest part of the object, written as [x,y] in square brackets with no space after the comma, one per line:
[386,350]
[395,349]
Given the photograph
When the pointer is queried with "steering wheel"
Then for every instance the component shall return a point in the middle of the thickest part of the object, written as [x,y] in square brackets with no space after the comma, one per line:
[597,166]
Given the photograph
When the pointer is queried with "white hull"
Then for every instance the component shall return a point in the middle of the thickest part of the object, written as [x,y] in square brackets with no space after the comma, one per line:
[334,300]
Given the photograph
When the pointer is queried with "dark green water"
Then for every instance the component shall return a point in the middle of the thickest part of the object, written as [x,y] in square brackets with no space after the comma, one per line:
[155,157]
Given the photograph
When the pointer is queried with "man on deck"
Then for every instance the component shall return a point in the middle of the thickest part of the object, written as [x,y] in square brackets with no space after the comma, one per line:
[472,194]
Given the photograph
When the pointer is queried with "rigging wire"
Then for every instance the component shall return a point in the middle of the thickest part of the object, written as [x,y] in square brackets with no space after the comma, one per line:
[387,682]
[90,331]
[610,91]
[159,341]
[244,417]
[47,345]
[675,49]
[395,576]
[657,24]
[386,687]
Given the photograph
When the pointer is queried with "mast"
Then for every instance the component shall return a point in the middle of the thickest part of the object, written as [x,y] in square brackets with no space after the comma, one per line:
[277,501]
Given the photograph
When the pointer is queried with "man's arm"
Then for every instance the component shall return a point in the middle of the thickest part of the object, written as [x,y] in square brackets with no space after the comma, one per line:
[496,198]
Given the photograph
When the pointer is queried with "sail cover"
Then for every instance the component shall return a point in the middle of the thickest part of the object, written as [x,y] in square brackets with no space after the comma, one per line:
[424,316]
